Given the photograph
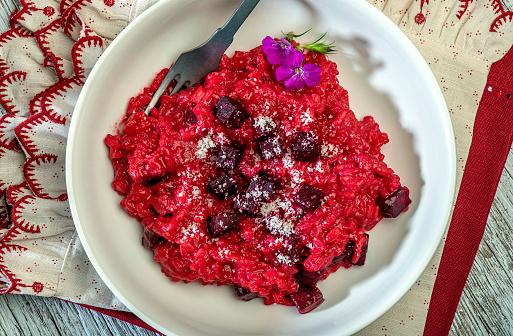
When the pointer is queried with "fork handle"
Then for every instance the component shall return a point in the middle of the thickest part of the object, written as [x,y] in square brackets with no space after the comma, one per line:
[226,32]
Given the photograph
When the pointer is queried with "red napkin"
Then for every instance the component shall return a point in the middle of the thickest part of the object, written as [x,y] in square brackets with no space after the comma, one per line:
[493,135]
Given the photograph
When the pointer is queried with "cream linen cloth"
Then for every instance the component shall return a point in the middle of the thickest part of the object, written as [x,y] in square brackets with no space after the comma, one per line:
[48,53]
[44,61]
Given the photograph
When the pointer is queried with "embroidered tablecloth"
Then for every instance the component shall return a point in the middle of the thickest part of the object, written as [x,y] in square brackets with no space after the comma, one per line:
[50,49]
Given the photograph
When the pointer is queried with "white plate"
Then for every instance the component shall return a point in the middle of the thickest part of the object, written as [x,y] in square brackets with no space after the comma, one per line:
[386,77]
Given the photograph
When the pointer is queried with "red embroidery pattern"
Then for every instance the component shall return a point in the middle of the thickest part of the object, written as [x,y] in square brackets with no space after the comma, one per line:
[43,38]
[33,165]
[504,16]
[37,287]
[18,227]
[17,16]
[7,136]
[463,7]
[27,134]
[499,9]
[49,11]
[5,98]
[420,18]
[44,118]
[69,18]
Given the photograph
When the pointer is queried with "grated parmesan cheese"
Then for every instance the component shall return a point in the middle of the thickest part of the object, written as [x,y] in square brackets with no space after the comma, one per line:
[287,159]
[277,225]
[306,117]
[190,231]
[283,259]
[221,137]
[318,167]
[195,192]
[265,123]
[328,149]
[295,176]
[204,144]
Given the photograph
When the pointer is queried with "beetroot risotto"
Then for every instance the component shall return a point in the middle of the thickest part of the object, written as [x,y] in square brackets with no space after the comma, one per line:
[262,178]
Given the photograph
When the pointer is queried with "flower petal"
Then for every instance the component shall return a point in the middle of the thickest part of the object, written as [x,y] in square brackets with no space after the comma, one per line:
[283,73]
[311,74]
[275,50]
[267,43]
[294,58]
[294,83]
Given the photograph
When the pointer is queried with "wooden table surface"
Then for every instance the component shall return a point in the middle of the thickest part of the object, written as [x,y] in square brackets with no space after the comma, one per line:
[486,306]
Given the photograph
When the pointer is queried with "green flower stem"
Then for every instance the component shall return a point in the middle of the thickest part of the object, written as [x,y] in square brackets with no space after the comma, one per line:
[318,46]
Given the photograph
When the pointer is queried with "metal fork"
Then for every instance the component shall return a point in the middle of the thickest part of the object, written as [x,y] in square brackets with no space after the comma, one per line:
[195,64]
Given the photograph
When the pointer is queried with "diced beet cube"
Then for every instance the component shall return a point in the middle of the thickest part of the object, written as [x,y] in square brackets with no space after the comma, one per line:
[245,294]
[285,256]
[230,155]
[245,203]
[395,203]
[308,278]
[270,147]
[230,112]
[307,298]
[189,117]
[263,186]
[308,198]
[150,239]
[363,253]
[222,223]
[348,253]
[223,186]
[306,147]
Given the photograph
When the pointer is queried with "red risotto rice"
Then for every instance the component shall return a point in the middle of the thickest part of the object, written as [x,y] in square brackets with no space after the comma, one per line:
[242,182]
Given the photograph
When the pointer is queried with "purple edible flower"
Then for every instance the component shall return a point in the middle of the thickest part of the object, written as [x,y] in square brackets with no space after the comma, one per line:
[295,76]
[277,51]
